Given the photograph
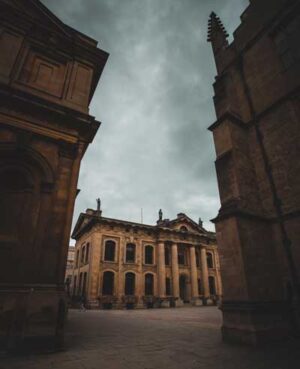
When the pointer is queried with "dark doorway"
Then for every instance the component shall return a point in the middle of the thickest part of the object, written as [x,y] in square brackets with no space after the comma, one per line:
[149,284]
[212,286]
[129,284]
[168,287]
[182,288]
[108,283]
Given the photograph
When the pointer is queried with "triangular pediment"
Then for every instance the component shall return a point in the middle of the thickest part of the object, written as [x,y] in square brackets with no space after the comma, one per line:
[81,223]
[183,222]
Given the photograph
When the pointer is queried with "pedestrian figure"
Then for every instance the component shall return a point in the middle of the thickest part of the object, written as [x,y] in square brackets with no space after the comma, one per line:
[82,304]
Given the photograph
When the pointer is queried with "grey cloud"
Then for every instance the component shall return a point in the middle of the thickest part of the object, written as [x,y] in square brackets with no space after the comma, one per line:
[154,98]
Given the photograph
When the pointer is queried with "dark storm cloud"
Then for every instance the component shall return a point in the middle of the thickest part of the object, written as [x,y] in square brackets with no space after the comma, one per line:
[154,98]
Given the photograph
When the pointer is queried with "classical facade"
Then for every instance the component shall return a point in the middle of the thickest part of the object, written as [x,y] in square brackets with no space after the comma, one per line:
[48,75]
[121,264]
[257,137]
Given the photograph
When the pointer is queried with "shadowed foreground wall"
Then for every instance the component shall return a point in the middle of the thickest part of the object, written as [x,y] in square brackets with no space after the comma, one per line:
[257,139]
[48,74]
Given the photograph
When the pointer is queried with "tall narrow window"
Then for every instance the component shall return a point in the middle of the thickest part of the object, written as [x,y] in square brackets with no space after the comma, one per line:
[181,256]
[168,287]
[87,253]
[80,284]
[209,257]
[212,285]
[75,285]
[199,287]
[149,284]
[84,284]
[167,256]
[82,255]
[130,253]
[148,254]
[129,283]
[77,258]
[108,283]
[197,259]
[110,250]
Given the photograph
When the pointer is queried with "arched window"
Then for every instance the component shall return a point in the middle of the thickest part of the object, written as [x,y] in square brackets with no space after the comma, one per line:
[181,256]
[168,287]
[167,256]
[149,254]
[209,258]
[110,250]
[212,285]
[108,283]
[149,284]
[129,283]
[130,253]
[183,229]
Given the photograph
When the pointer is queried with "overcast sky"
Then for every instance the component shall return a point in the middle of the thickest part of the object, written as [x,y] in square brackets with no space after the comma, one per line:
[154,99]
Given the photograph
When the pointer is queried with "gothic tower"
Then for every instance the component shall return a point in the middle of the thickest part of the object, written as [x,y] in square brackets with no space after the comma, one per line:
[257,137]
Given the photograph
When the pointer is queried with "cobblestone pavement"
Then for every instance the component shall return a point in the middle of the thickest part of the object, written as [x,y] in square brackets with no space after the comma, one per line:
[184,338]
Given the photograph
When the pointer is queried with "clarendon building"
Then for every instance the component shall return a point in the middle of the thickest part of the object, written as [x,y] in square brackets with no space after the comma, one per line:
[121,264]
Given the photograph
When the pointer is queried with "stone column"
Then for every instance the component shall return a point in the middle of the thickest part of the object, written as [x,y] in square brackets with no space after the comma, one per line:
[161,268]
[194,277]
[204,271]
[175,275]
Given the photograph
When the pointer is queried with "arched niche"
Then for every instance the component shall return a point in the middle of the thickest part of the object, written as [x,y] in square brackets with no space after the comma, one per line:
[26,182]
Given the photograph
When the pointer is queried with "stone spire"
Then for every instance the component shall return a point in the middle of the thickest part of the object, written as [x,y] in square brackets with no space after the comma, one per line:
[217,34]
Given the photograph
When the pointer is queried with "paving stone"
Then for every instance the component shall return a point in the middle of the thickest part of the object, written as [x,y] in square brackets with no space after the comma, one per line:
[154,339]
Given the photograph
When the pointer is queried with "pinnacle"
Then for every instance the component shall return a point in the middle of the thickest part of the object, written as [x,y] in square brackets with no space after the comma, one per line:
[215,26]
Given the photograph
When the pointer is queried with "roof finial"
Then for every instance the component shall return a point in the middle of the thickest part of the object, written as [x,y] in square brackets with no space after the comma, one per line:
[98,204]
[217,34]
[160,215]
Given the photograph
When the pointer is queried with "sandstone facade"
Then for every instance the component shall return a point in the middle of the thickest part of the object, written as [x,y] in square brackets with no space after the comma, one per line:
[121,264]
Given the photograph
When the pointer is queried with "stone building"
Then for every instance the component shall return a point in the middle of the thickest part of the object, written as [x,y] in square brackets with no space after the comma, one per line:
[257,135]
[123,264]
[69,268]
[48,75]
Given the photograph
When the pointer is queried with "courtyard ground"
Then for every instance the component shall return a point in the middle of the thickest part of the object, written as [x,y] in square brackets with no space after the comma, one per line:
[184,338]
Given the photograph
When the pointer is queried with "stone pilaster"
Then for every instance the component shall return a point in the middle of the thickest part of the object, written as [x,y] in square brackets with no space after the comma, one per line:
[161,268]
[194,279]
[204,271]
[175,275]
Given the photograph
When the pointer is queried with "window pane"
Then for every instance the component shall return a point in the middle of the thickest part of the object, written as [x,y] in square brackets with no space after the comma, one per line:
[209,260]
[148,255]
[130,253]
[109,251]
